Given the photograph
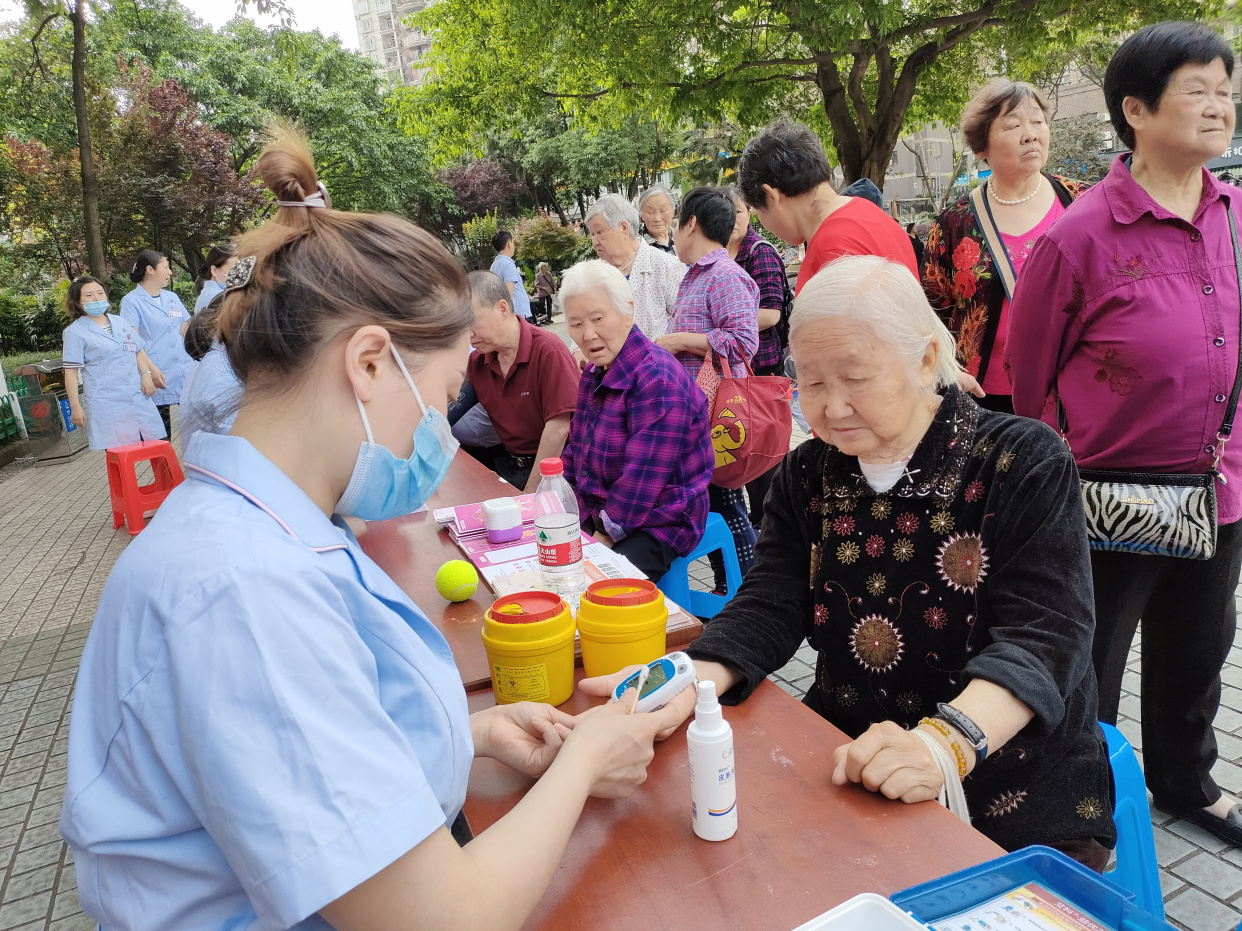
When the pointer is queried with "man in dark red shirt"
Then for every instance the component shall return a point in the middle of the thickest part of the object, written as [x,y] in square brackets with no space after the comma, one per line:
[526,380]
[785,176]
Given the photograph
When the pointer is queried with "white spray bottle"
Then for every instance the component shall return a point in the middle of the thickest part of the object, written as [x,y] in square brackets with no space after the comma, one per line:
[713,791]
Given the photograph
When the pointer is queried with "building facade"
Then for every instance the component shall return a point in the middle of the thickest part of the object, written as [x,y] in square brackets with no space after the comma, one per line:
[394,46]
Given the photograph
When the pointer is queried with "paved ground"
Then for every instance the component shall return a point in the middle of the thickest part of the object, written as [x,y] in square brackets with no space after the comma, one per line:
[59,548]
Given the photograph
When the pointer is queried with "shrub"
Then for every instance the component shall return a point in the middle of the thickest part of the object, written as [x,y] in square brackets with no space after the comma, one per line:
[478,234]
[545,240]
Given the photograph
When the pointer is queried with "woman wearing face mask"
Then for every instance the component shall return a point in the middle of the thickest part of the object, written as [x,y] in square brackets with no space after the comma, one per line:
[160,318]
[210,281]
[120,379]
[267,732]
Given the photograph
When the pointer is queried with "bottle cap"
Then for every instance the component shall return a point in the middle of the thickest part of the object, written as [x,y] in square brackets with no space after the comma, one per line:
[551,467]
[707,713]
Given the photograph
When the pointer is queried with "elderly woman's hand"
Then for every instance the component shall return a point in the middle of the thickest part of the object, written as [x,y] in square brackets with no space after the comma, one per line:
[969,384]
[891,760]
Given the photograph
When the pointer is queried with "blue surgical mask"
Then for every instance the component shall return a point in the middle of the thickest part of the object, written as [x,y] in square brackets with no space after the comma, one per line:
[383,486]
[95,308]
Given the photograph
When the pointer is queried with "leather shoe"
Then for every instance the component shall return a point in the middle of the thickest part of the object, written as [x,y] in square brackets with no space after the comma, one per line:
[1228,828]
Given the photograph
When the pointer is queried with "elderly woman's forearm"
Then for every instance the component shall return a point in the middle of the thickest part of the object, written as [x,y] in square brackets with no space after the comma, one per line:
[724,677]
[995,710]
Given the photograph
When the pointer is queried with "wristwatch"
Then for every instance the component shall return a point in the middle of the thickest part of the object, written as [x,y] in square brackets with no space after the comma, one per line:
[967,728]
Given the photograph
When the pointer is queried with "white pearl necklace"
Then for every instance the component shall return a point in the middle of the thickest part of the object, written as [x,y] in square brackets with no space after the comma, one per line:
[1021,200]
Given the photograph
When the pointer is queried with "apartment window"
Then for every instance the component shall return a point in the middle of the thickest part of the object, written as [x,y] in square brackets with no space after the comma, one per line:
[362,6]
[390,41]
[390,60]
[364,25]
[385,22]
[369,45]
[383,6]
[892,163]
[938,149]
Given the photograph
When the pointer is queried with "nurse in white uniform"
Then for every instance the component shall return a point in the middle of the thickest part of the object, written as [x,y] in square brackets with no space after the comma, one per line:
[119,378]
[266,732]
[210,282]
[212,392]
[160,319]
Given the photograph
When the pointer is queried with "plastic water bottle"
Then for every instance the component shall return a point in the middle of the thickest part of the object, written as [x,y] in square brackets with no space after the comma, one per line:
[558,533]
[713,791]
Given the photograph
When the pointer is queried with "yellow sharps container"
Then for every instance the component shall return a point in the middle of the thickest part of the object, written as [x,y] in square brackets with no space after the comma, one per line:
[621,622]
[529,638]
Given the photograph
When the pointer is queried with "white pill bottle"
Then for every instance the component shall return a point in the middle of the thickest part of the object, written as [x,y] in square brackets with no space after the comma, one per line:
[713,789]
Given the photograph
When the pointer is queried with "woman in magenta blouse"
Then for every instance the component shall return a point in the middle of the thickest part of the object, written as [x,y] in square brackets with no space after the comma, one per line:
[1128,311]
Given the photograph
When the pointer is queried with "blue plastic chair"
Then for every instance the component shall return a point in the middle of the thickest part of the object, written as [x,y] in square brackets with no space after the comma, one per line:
[676,582]
[1136,870]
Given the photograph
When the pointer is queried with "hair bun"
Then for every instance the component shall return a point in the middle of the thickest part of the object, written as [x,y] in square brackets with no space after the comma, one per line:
[287,167]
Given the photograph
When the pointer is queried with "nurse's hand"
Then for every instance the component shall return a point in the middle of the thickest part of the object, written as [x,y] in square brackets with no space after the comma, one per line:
[78,416]
[616,746]
[526,735]
[148,384]
[158,377]
[724,677]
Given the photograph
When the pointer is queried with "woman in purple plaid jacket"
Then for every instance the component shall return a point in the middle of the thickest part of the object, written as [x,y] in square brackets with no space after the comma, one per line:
[639,454]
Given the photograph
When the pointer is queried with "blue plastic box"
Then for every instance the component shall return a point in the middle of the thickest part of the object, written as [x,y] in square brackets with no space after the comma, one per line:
[1078,886]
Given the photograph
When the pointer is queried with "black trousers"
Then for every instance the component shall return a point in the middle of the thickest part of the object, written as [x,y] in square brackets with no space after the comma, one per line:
[514,469]
[730,504]
[756,491]
[1189,617]
[166,416]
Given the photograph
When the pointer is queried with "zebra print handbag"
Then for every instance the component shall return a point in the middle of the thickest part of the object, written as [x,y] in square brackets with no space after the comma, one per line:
[1160,514]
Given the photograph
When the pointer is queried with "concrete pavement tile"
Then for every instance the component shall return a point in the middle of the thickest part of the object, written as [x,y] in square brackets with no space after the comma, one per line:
[23,763]
[67,902]
[803,684]
[23,777]
[1169,883]
[1131,682]
[1215,877]
[1199,912]
[1159,816]
[1228,776]
[49,814]
[807,654]
[1228,746]
[1132,732]
[39,880]
[1170,848]
[18,796]
[10,833]
[1231,697]
[785,686]
[37,836]
[1197,836]
[15,814]
[78,922]
[31,908]
[794,669]
[36,857]
[1130,706]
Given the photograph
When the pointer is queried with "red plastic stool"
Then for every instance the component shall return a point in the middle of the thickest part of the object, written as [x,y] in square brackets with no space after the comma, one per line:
[131,501]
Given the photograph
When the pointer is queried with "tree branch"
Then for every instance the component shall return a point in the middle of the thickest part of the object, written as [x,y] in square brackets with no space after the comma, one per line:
[34,44]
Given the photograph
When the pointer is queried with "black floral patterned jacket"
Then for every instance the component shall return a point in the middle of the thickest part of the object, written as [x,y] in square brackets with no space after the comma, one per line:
[974,565]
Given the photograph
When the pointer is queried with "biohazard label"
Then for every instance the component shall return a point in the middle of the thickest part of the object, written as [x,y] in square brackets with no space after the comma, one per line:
[521,683]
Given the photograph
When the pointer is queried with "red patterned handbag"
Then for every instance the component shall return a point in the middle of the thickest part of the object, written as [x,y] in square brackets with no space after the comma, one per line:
[751,421]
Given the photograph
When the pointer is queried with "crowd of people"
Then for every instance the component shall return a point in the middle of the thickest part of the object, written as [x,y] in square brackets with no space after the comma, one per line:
[970,616]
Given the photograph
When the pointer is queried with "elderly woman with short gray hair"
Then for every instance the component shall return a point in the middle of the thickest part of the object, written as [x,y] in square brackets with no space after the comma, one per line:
[934,554]
[654,276]
[639,454]
[656,209]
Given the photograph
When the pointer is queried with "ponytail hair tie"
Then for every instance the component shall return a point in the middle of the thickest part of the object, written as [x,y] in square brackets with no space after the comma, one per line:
[319,199]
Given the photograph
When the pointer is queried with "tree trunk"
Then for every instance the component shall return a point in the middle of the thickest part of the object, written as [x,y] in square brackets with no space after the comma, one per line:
[86,154]
[550,191]
[581,205]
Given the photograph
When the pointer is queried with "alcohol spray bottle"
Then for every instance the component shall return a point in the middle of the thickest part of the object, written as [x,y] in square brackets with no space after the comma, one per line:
[713,791]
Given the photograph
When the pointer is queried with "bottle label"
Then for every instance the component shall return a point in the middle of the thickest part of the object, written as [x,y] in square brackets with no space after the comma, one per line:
[559,546]
[521,683]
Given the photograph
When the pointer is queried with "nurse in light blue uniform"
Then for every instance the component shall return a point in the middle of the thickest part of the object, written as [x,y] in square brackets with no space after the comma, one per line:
[210,281]
[160,319]
[266,731]
[119,378]
[212,392]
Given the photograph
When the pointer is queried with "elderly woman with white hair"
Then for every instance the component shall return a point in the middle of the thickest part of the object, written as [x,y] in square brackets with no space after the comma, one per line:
[653,275]
[656,209]
[639,454]
[934,554]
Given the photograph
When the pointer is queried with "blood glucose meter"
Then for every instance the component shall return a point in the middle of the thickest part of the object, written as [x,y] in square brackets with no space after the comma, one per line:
[666,678]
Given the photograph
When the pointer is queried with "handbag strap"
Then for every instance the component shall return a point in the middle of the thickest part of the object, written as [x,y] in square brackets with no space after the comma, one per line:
[992,240]
[1226,427]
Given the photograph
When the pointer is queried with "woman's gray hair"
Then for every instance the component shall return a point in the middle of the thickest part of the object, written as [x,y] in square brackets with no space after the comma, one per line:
[652,191]
[595,274]
[886,297]
[615,209]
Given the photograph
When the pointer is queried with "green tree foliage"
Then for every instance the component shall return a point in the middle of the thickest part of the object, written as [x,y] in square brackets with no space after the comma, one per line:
[859,71]
[544,240]
[1074,148]
[477,234]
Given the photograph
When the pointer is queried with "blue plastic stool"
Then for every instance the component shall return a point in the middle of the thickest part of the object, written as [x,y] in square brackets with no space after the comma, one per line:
[676,582]
[1136,869]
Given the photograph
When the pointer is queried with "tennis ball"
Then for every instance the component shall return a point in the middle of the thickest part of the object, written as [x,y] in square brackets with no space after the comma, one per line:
[456,580]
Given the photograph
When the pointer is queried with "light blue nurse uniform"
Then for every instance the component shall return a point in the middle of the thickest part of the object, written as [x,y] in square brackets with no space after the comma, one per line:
[158,321]
[210,290]
[117,412]
[212,395]
[262,721]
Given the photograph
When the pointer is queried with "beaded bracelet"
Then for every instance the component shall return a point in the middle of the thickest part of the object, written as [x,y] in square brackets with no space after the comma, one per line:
[957,751]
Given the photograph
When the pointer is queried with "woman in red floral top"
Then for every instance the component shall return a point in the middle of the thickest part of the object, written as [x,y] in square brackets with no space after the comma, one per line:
[1007,124]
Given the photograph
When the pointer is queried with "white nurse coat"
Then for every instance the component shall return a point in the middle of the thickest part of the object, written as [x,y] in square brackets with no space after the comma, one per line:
[212,395]
[210,290]
[158,321]
[262,721]
[117,412]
